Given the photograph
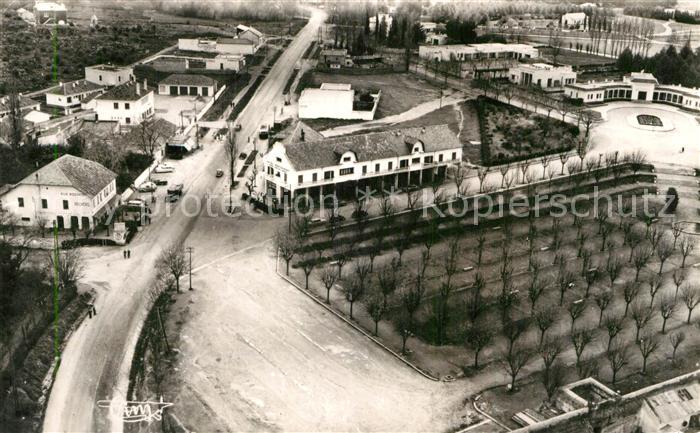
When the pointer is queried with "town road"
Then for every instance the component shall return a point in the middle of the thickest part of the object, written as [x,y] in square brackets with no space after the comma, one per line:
[96,361]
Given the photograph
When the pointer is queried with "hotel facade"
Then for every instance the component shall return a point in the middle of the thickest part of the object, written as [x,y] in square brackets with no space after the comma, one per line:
[341,166]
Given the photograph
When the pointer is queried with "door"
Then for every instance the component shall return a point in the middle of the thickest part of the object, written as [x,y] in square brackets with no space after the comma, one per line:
[173,90]
[642,96]
[74,222]
[59,222]
[85,221]
[183,90]
[205,91]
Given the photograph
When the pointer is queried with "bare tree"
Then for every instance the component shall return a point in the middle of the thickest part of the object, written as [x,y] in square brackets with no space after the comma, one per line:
[618,357]
[648,344]
[691,299]
[172,259]
[641,316]
[664,250]
[328,278]
[70,268]
[544,318]
[614,325]
[654,282]
[667,309]
[676,339]
[629,292]
[602,300]
[356,288]
[686,246]
[580,338]
[286,245]
[576,309]
[613,267]
[640,258]
[515,360]
[374,304]
[343,253]
[307,263]
[231,147]
[477,339]
[411,297]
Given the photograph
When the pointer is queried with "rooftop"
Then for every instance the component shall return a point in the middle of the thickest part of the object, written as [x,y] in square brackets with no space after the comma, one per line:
[326,152]
[108,67]
[131,91]
[244,28]
[336,86]
[188,80]
[76,87]
[84,175]
[24,102]
[294,133]
[233,41]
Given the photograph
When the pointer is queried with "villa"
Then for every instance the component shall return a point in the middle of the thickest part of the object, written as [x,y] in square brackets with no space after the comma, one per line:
[542,75]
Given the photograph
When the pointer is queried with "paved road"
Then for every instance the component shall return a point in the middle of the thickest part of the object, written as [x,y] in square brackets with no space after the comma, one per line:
[97,358]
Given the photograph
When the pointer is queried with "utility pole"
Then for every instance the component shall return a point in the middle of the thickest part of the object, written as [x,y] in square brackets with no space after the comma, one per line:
[189,251]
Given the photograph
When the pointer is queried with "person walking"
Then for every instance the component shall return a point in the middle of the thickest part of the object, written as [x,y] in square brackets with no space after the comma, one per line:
[89,311]
[94,310]
[124,253]
[128,254]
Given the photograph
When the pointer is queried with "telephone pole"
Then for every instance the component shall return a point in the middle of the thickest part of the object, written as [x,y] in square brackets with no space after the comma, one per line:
[190,250]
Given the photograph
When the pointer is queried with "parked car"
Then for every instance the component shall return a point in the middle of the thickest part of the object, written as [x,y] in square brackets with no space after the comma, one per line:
[160,182]
[219,173]
[264,132]
[147,187]
[243,155]
[164,168]
[237,127]
[336,219]
[172,198]
[175,189]
[135,202]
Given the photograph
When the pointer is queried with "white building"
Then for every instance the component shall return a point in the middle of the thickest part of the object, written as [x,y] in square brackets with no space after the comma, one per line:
[70,191]
[435,39]
[109,75]
[127,104]
[342,165]
[25,104]
[241,46]
[226,62]
[542,75]
[249,33]
[36,117]
[573,20]
[337,101]
[637,86]
[187,84]
[469,52]
[49,12]
[68,96]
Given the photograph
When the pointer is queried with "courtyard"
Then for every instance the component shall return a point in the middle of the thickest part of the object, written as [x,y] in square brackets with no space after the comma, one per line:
[675,141]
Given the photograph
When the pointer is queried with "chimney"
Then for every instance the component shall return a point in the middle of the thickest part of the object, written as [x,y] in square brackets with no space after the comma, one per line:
[302,135]
[138,88]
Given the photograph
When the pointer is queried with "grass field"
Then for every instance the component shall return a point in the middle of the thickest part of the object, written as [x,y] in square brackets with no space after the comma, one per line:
[575,58]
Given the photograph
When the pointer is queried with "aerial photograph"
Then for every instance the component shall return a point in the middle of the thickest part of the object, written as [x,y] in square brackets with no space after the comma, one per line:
[336,216]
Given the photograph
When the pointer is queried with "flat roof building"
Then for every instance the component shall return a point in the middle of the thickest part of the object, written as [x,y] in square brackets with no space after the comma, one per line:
[109,75]
[542,75]
[187,84]
[127,104]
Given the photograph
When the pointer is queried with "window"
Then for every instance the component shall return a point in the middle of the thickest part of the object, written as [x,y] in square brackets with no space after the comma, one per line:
[415,161]
[314,177]
[278,159]
[100,77]
[428,159]
[346,171]
[65,204]
[127,106]
[300,178]
[376,168]
[128,120]
[20,201]
[391,165]
[285,177]
[440,157]
[346,159]
[364,169]
[403,163]
[116,105]
[26,219]
[454,155]
[44,203]
[69,99]
[328,175]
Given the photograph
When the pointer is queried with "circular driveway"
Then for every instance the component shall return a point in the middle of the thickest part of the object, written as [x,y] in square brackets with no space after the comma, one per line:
[620,131]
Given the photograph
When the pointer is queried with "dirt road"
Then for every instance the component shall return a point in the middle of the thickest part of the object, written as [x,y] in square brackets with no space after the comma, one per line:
[97,358]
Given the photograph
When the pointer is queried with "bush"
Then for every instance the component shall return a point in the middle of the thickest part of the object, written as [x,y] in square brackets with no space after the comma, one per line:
[84,242]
